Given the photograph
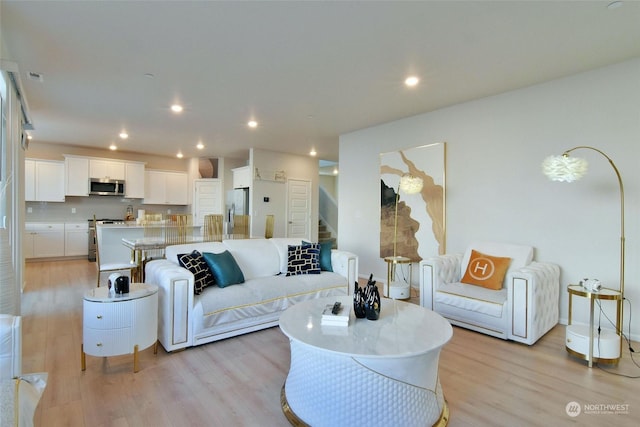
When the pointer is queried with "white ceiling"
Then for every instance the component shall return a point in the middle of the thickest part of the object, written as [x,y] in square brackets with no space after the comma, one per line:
[306,71]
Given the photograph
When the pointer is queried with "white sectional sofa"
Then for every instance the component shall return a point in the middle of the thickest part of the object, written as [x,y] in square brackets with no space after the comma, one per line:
[186,319]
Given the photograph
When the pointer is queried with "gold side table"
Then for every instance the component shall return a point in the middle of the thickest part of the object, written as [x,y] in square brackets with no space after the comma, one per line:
[397,289]
[580,338]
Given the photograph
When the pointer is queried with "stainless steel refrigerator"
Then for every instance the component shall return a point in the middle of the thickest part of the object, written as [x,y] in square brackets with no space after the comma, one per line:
[237,204]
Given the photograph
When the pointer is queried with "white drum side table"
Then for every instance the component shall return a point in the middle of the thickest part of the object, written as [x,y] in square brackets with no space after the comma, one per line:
[119,325]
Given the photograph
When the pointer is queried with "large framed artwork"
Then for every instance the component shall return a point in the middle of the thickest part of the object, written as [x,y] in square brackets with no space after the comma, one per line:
[413,225]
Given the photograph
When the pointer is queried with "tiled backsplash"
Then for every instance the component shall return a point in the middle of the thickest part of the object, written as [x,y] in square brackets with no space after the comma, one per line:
[85,207]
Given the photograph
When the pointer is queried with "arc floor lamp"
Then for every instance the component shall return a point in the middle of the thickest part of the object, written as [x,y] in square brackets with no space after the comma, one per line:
[568,169]
[409,184]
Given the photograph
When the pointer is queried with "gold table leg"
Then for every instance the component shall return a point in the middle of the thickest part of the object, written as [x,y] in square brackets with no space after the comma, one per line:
[135,358]
[83,358]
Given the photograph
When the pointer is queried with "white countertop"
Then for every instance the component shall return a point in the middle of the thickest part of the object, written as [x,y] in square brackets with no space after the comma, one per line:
[133,224]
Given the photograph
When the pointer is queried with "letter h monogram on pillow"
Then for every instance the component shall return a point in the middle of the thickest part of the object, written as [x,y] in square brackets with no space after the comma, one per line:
[486,270]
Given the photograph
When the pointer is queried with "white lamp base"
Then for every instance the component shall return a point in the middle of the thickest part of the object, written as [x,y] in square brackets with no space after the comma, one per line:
[399,290]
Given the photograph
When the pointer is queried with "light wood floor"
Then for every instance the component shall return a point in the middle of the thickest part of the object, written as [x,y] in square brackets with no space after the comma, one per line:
[237,382]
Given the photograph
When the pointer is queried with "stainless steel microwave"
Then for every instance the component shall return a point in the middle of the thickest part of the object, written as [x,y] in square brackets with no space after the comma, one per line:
[106,187]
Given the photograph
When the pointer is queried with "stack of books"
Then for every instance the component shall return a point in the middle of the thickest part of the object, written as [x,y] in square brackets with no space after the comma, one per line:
[340,318]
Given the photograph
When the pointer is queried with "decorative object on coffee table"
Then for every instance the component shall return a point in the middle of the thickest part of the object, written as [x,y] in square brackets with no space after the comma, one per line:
[371,299]
[358,302]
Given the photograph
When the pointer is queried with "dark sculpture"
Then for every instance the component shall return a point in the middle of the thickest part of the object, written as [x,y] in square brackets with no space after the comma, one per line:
[371,299]
[358,302]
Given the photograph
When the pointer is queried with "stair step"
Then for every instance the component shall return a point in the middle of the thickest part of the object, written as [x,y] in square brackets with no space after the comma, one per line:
[324,234]
[334,244]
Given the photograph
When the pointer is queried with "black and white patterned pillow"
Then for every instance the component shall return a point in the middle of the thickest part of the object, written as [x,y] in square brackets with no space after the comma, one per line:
[195,263]
[303,259]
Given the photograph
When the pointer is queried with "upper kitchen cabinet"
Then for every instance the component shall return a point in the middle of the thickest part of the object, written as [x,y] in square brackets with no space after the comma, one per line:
[76,176]
[44,181]
[134,180]
[241,177]
[166,188]
[109,169]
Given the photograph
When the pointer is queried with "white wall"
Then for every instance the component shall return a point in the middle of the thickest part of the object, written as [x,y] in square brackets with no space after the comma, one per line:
[295,167]
[494,185]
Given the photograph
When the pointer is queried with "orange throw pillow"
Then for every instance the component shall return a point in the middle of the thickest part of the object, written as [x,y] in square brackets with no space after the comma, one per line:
[486,270]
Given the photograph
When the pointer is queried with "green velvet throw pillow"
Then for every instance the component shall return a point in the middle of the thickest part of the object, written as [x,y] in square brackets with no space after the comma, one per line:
[224,267]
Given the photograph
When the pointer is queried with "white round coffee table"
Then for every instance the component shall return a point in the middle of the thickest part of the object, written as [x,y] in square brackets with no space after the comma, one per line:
[382,372]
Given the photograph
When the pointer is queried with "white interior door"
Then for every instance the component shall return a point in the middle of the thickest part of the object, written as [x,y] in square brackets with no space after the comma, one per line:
[299,209]
[207,199]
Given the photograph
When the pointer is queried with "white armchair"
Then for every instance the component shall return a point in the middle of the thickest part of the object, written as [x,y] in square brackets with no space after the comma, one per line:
[523,310]
[19,393]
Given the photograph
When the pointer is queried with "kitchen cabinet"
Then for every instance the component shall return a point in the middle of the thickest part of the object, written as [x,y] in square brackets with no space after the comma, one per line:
[76,238]
[28,240]
[134,180]
[105,168]
[166,188]
[76,176]
[241,177]
[44,180]
[43,240]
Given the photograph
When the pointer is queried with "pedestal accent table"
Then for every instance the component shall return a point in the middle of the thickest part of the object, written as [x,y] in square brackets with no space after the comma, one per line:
[382,372]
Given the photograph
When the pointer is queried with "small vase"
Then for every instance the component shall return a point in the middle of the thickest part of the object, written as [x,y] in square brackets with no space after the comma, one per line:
[358,303]
[371,300]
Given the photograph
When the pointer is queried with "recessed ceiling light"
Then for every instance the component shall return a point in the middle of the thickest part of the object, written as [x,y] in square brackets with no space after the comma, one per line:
[124,135]
[313,152]
[335,171]
[614,5]
[113,147]
[179,155]
[177,108]
[149,75]
[411,81]
[200,146]
[252,124]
